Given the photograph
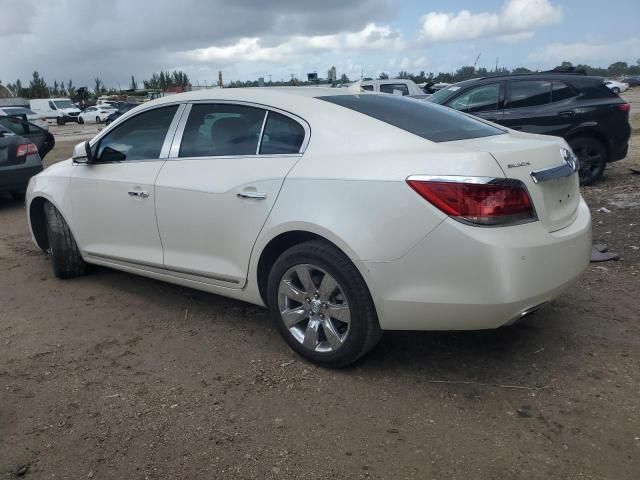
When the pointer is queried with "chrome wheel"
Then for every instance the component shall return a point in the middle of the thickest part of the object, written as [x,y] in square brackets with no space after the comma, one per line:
[314,308]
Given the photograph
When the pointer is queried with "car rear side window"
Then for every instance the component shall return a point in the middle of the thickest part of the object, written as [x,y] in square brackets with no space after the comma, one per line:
[282,135]
[221,130]
[368,88]
[561,91]
[530,93]
[393,88]
[138,138]
[427,120]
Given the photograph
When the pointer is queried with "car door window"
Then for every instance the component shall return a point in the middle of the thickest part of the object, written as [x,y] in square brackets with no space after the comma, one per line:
[561,91]
[139,138]
[391,87]
[52,106]
[482,98]
[530,93]
[368,88]
[14,125]
[281,135]
[221,130]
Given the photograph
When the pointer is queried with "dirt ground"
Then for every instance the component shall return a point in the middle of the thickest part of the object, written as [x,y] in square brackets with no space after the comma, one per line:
[117,376]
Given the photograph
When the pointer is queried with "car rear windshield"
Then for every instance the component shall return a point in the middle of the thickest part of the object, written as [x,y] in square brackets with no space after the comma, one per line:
[427,120]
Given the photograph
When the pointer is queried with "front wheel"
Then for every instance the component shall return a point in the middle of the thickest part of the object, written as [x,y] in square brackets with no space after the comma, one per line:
[321,305]
[592,156]
[80,120]
[66,258]
[616,90]
[98,120]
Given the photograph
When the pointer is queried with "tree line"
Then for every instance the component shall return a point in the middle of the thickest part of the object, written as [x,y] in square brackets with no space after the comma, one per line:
[165,80]
[39,88]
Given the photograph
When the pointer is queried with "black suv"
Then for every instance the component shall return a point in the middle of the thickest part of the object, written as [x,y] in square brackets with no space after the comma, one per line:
[579,108]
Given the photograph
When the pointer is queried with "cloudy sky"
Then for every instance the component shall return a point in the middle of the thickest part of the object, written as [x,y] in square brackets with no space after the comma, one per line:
[82,39]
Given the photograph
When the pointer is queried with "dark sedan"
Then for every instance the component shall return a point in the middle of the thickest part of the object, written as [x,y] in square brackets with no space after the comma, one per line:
[19,161]
[43,139]
[121,111]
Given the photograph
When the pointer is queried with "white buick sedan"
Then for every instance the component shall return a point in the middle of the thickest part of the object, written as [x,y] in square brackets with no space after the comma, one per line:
[345,213]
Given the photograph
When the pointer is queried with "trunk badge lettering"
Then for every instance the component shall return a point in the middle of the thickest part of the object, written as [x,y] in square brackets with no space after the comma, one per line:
[516,165]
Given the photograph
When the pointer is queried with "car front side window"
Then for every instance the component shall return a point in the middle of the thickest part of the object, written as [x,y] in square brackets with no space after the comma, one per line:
[139,138]
[482,98]
[221,130]
[394,87]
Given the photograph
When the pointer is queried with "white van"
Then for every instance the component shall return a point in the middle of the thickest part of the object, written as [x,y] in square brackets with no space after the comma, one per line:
[61,110]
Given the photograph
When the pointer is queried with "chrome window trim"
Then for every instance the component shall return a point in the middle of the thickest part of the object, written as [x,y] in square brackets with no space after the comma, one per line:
[174,151]
[175,147]
[264,122]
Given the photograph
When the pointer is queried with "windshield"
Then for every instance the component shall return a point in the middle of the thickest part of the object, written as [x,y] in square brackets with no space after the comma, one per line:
[432,122]
[64,104]
[441,95]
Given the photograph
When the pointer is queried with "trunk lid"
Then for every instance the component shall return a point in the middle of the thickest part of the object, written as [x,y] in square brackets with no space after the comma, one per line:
[555,199]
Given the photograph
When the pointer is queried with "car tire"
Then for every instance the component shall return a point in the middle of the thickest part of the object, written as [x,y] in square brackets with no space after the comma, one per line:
[60,121]
[592,156]
[66,259]
[616,90]
[80,121]
[321,318]
[98,120]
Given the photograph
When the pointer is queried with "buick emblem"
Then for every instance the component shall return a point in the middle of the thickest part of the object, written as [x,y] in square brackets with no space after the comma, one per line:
[569,158]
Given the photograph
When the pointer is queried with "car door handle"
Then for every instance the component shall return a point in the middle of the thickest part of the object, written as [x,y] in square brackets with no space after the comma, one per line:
[138,193]
[568,113]
[253,195]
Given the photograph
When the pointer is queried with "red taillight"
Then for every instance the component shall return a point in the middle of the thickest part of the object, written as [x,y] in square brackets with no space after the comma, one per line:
[26,149]
[623,107]
[499,202]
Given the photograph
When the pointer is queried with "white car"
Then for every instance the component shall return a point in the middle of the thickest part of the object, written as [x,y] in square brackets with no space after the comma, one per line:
[32,117]
[346,213]
[397,86]
[97,114]
[616,87]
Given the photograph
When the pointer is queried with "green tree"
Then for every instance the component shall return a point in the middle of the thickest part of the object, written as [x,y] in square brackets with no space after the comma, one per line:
[98,87]
[618,69]
[38,87]
[383,76]
[71,89]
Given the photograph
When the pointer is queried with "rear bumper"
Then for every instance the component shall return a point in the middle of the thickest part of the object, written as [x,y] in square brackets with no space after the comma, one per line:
[16,177]
[466,278]
[619,152]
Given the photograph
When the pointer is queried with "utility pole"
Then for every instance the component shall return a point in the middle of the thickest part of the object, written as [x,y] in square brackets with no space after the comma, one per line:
[269,79]
[476,62]
[496,64]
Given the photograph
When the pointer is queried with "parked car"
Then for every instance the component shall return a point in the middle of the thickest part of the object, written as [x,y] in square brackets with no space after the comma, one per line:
[632,81]
[19,161]
[394,214]
[97,114]
[121,111]
[579,108]
[396,86]
[28,115]
[616,87]
[62,110]
[43,139]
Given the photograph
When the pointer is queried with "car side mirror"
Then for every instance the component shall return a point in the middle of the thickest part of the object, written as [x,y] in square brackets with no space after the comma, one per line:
[82,153]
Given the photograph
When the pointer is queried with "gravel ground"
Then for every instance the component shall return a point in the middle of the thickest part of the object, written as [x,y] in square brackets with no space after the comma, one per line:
[117,376]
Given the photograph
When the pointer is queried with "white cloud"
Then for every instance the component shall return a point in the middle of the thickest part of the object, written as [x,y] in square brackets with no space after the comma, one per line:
[515,21]
[587,52]
[255,49]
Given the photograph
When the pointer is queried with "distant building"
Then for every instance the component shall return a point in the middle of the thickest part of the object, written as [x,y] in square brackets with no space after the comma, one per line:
[332,76]
[312,77]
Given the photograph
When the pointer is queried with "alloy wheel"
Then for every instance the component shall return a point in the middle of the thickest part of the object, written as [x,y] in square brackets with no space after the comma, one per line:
[590,161]
[314,308]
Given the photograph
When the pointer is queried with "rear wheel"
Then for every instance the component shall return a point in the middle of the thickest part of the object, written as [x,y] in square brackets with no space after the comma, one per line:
[80,120]
[592,156]
[615,90]
[66,258]
[321,305]
[98,120]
